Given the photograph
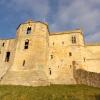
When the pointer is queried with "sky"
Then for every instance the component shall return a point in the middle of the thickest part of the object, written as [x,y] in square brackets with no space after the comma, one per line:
[61,15]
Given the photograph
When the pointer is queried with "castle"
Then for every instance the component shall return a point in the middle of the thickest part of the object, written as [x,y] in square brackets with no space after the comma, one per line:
[37,57]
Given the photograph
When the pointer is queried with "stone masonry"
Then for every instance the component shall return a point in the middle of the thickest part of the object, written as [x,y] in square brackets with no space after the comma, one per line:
[37,57]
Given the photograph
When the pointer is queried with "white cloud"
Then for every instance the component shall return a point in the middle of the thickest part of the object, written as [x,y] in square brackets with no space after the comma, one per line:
[79,13]
[69,14]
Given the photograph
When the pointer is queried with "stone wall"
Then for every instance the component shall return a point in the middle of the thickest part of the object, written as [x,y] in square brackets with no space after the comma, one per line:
[87,78]
[48,58]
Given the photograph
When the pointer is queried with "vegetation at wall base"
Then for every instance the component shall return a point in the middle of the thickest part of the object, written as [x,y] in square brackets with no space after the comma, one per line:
[52,92]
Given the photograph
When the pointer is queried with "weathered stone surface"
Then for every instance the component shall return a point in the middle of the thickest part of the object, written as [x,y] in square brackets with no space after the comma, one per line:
[38,57]
[87,78]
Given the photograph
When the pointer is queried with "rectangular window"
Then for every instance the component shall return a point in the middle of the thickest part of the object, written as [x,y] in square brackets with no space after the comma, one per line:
[24,63]
[51,56]
[50,71]
[7,57]
[73,39]
[3,44]
[70,54]
[28,30]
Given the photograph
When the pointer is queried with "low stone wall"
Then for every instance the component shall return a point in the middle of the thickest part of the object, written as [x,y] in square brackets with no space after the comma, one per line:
[87,78]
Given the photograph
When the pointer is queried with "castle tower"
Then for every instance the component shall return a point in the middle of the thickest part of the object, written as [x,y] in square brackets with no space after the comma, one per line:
[30,55]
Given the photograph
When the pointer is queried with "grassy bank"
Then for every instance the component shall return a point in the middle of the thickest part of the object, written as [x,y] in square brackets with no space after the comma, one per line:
[53,92]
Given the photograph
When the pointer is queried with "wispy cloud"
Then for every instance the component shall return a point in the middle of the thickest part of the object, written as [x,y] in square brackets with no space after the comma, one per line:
[60,14]
[79,14]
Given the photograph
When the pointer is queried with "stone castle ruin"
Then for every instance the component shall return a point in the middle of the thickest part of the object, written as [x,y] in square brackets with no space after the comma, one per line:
[37,57]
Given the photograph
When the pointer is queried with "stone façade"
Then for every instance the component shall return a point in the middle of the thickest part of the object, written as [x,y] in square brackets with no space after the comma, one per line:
[37,57]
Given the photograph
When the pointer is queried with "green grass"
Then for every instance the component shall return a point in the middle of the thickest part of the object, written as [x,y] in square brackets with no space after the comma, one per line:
[53,92]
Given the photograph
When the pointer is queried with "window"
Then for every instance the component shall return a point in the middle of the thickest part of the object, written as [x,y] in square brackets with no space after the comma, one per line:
[50,71]
[84,59]
[53,43]
[28,30]
[23,62]
[73,39]
[51,56]
[70,66]
[62,42]
[26,44]
[3,44]
[70,54]
[7,56]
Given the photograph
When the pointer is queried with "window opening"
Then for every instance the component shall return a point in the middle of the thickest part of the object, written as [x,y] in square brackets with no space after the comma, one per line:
[28,30]
[50,71]
[3,44]
[7,56]
[70,54]
[23,62]
[26,44]
[73,39]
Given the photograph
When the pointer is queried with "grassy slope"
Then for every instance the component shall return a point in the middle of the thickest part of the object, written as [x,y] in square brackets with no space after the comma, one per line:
[53,92]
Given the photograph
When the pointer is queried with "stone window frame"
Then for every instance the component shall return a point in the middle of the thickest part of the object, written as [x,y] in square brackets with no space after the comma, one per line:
[73,38]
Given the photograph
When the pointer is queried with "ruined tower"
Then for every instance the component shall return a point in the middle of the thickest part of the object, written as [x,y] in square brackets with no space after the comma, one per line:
[36,57]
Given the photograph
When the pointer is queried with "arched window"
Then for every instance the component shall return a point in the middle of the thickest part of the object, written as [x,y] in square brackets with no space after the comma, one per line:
[73,39]
[26,44]
[28,30]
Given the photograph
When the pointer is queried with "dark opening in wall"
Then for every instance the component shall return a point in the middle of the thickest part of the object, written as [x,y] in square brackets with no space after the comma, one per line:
[62,42]
[23,62]
[3,44]
[70,54]
[51,56]
[7,57]
[28,30]
[53,43]
[84,59]
[26,44]
[50,71]
[73,39]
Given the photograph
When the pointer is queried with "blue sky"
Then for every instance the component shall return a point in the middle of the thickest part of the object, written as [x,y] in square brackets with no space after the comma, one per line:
[61,15]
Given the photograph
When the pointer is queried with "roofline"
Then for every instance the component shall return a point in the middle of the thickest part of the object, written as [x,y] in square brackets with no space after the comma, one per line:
[32,22]
[7,38]
[94,44]
[66,32]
